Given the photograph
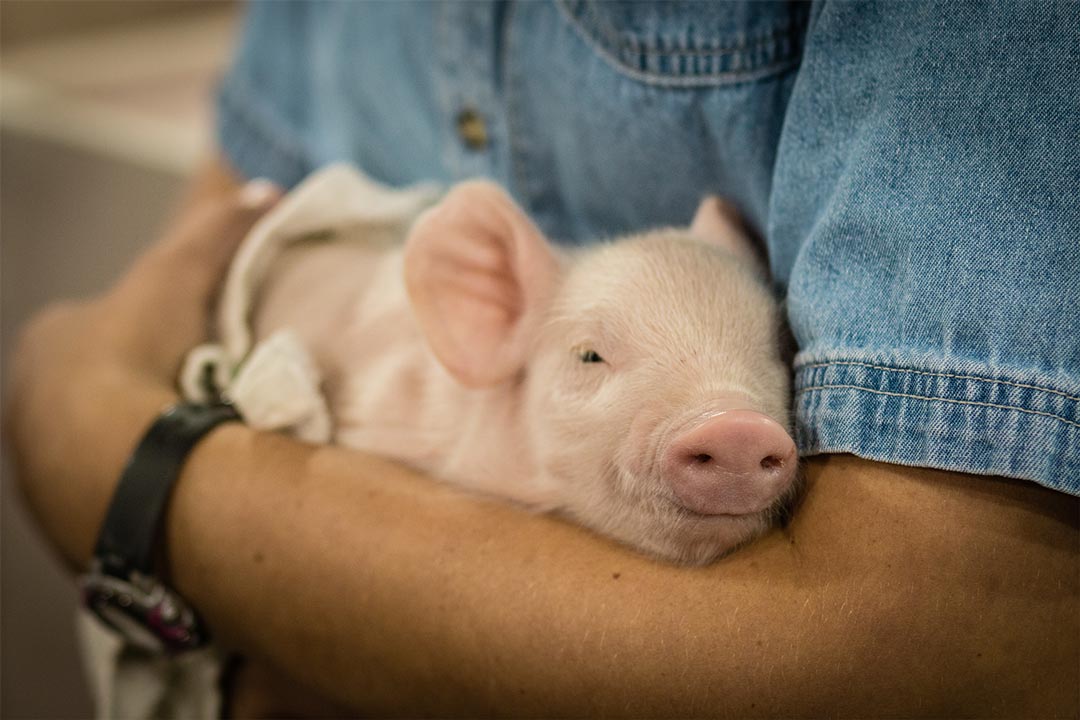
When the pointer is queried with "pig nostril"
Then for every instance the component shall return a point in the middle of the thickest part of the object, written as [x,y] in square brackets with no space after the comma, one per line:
[703,458]
[772,462]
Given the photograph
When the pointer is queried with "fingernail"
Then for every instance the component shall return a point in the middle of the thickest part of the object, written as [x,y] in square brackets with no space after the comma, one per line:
[257,193]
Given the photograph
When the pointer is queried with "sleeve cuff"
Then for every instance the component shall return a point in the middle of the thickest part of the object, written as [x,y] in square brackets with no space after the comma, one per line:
[254,144]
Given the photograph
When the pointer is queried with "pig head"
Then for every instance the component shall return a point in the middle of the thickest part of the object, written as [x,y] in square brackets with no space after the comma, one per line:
[638,386]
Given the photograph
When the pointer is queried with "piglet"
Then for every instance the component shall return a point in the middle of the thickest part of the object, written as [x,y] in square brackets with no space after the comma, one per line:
[638,387]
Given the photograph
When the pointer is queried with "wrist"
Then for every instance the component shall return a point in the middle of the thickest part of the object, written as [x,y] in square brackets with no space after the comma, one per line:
[215,477]
[73,437]
[125,585]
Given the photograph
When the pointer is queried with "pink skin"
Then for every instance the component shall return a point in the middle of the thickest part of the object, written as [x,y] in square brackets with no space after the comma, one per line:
[591,383]
[735,462]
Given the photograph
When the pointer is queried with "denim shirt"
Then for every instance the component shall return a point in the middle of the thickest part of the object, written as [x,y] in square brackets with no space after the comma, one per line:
[913,168]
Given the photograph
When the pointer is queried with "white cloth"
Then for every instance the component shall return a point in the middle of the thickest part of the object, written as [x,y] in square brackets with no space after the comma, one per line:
[275,386]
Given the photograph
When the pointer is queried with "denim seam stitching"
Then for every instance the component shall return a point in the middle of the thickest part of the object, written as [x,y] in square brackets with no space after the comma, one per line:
[767,38]
[813,388]
[515,144]
[751,42]
[944,375]
[448,139]
[679,81]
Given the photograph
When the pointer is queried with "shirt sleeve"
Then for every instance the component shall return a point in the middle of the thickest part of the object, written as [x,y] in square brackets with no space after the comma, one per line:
[264,119]
[925,222]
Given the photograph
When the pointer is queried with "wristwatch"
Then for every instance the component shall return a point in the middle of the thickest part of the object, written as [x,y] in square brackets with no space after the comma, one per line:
[123,585]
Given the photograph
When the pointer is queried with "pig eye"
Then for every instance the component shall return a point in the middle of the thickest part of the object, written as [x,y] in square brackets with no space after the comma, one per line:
[589,356]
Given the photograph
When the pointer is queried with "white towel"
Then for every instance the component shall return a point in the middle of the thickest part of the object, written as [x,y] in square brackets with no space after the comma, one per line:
[275,386]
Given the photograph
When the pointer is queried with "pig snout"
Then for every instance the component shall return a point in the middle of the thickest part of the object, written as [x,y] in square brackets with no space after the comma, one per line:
[733,463]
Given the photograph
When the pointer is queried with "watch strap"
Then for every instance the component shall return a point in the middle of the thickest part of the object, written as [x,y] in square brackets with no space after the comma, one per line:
[128,538]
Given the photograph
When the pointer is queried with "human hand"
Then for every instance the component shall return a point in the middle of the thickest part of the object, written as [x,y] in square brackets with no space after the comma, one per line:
[87,377]
[161,308]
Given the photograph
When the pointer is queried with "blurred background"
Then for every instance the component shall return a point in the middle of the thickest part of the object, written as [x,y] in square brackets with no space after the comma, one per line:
[105,108]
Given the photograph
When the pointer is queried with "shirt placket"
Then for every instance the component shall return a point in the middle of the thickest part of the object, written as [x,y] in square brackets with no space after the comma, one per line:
[472,119]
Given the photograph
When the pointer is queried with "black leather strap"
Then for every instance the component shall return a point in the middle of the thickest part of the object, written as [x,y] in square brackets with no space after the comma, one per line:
[129,535]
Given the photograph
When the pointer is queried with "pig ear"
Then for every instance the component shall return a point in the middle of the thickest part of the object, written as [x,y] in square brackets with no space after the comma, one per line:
[479,274]
[718,222]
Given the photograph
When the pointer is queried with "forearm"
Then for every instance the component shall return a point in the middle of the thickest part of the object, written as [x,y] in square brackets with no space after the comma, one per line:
[401,596]
[85,383]
[98,428]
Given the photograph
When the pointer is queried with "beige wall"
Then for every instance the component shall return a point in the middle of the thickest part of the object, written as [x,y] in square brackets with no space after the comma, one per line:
[71,221]
[74,211]
[26,20]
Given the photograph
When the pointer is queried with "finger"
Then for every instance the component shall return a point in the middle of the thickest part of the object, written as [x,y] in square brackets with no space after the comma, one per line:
[190,261]
[208,239]
[162,307]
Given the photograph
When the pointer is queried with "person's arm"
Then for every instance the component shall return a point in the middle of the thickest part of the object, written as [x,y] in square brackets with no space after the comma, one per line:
[894,591]
[88,376]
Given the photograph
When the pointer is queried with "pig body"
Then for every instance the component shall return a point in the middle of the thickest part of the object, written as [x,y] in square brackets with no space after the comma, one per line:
[385,390]
[637,387]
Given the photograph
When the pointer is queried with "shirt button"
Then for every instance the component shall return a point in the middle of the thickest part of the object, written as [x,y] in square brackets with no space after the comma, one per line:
[472,129]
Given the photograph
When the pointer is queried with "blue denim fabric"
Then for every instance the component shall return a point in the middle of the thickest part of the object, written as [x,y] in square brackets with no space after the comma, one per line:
[914,169]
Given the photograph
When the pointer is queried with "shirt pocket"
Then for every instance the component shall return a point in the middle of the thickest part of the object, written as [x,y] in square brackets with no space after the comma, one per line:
[685,43]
